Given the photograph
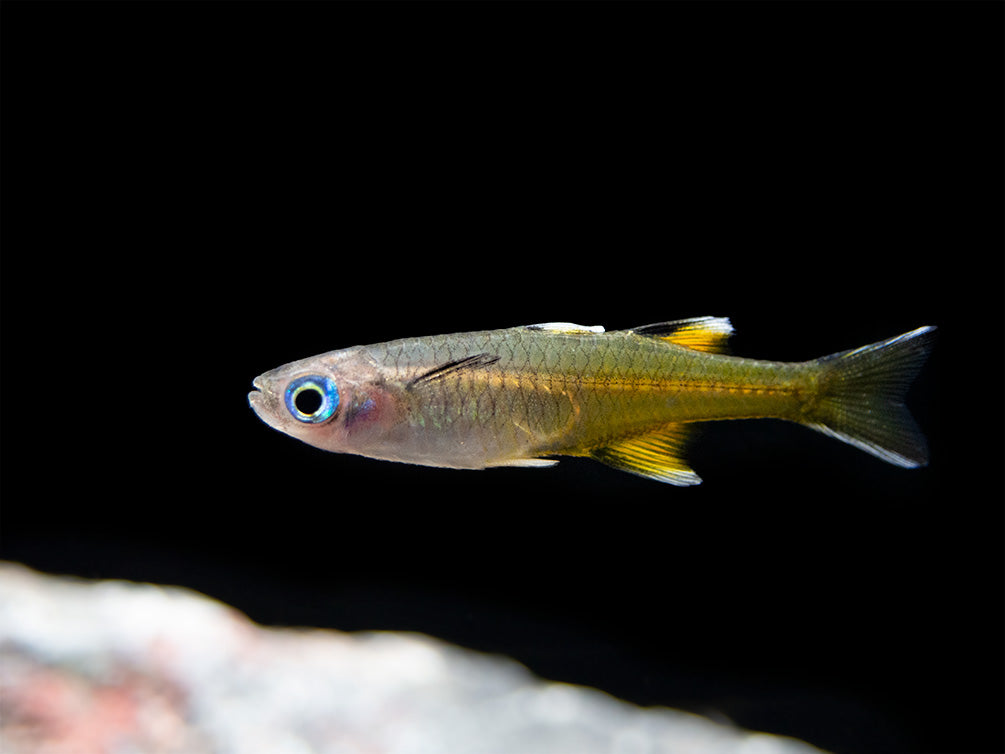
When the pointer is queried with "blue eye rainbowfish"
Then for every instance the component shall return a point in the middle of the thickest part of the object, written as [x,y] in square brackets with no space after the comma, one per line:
[627,398]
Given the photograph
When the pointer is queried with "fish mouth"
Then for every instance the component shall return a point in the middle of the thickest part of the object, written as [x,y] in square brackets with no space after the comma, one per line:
[263,403]
[258,398]
[266,404]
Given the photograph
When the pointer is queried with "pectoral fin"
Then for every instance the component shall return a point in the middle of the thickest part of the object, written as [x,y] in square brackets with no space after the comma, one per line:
[451,368]
[655,455]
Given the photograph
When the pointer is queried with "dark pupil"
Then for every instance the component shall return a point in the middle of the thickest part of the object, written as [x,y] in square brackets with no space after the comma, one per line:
[308,401]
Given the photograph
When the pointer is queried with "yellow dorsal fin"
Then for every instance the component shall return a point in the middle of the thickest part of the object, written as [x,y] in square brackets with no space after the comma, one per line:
[700,333]
[656,455]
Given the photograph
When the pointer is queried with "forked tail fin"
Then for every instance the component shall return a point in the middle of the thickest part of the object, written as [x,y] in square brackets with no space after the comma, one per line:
[861,398]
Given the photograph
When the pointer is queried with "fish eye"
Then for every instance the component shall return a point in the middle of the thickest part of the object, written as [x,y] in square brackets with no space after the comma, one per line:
[312,399]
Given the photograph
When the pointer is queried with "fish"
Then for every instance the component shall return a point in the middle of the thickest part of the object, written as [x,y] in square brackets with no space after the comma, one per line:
[627,398]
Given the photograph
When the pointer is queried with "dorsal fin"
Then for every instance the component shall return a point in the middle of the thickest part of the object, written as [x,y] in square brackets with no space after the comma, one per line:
[452,367]
[655,455]
[700,333]
[567,327]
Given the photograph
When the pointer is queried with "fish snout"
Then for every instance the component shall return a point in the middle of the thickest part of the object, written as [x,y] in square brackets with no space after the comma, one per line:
[262,400]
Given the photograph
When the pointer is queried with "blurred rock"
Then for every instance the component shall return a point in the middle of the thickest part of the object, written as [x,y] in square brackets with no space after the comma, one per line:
[121,668]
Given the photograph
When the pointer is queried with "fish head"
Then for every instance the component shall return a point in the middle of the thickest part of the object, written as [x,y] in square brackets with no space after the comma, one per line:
[338,401]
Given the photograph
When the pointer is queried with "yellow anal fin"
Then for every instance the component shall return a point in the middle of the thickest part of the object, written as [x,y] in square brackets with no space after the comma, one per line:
[699,333]
[655,455]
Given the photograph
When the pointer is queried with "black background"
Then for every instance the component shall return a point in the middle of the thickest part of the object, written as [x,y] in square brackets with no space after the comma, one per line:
[194,194]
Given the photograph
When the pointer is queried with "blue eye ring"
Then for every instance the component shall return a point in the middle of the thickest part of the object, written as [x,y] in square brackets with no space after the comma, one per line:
[315,383]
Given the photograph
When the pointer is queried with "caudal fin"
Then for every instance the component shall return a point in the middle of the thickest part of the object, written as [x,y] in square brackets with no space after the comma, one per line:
[861,398]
